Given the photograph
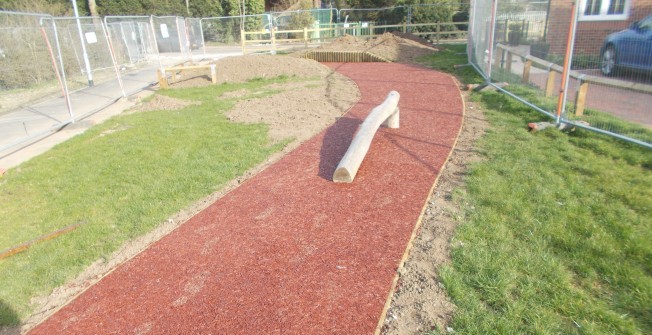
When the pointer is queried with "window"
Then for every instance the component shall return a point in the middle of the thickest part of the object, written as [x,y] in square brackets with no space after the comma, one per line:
[604,10]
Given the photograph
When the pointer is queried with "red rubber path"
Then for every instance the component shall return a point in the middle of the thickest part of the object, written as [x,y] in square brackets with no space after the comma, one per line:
[289,251]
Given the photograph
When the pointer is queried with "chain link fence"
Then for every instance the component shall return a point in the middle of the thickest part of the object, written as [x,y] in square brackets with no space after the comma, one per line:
[565,62]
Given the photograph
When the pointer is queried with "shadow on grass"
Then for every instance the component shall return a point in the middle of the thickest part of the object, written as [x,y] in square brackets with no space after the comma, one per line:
[9,320]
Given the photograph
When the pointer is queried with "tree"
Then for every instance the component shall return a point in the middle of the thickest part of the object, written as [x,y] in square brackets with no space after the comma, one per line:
[205,8]
[52,7]
[142,7]
[92,8]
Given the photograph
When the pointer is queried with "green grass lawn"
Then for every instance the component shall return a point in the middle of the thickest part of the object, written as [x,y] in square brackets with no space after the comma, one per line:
[119,180]
[556,232]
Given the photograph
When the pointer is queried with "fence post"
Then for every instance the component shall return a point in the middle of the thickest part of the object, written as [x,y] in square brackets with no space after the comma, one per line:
[508,66]
[201,31]
[580,98]
[162,78]
[242,40]
[526,71]
[561,102]
[550,83]
[500,55]
[305,36]
[272,31]
[492,33]
[213,74]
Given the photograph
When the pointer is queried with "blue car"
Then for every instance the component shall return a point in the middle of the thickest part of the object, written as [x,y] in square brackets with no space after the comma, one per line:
[630,48]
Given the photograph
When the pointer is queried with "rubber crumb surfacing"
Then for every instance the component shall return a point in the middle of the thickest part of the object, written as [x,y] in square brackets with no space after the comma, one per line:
[289,251]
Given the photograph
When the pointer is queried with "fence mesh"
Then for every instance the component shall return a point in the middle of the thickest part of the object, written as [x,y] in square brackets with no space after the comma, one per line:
[170,34]
[607,85]
[132,38]
[84,44]
[26,61]
[222,30]
[30,73]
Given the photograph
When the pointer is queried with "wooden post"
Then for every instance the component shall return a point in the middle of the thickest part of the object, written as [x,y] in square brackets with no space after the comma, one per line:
[499,57]
[508,66]
[387,113]
[550,84]
[404,27]
[162,78]
[526,71]
[242,40]
[580,98]
[305,36]
[213,74]
[273,36]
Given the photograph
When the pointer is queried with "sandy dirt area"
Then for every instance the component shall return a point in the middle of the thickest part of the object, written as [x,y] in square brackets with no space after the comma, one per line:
[300,110]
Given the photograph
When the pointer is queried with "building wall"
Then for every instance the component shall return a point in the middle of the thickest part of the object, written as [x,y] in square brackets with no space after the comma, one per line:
[590,34]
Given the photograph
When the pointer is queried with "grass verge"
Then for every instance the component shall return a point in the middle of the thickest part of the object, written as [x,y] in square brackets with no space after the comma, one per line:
[555,233]
[119,180]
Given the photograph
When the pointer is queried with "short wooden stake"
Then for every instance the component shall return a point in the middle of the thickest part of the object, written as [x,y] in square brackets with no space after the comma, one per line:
[526,71]
[243,38]
[498,61]
[213,74]
[508,66]
[162,78]
[550,84]
[580,98]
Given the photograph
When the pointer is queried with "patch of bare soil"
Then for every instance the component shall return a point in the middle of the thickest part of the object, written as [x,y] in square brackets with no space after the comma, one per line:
[161,102]
[305,108]
[388,46]
[243,68]
[420,303]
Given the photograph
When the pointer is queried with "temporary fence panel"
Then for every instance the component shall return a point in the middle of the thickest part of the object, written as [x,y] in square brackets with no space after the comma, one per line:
[195,35]
[222,31]
[480,39]
[563,63]
[170,36]
[610,86]
[379,16]
[439,22]
[258,33]
[30,75]
[184,40]
[132,38]
[90,68]
[298,20]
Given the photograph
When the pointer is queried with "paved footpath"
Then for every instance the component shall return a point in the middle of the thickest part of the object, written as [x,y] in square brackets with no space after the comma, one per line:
[289,251]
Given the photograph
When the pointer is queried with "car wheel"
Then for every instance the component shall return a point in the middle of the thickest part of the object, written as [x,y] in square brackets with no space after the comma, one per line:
[608,66]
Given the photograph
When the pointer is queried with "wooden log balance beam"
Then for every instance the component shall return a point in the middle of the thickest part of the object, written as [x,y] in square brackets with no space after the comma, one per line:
[163,78]
[386,113]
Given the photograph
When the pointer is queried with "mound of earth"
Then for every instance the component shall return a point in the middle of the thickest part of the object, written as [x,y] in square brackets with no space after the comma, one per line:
[389,46]
[302,108]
